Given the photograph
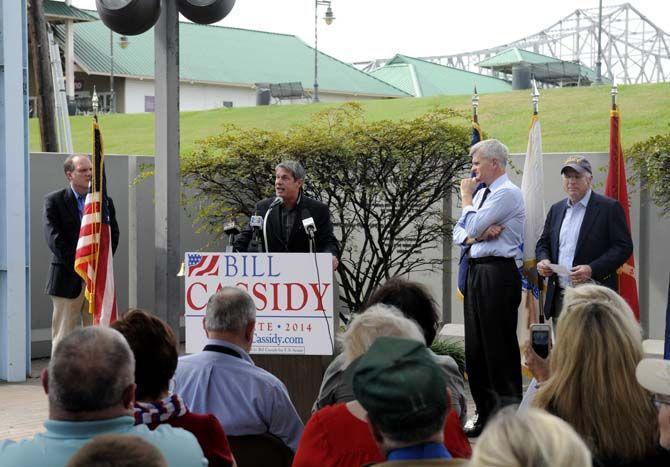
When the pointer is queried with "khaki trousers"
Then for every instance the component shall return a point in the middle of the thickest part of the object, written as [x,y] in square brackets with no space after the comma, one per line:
[68,314]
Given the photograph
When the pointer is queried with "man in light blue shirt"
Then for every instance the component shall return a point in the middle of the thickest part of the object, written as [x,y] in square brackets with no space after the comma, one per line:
[492,223]
[91,390]
[223,380]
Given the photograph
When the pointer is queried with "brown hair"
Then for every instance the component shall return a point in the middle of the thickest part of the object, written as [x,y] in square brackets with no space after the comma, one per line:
[413,300]
[155,348]
[117,451]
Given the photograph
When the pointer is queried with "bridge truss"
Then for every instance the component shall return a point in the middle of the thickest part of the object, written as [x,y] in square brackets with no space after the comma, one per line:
[634,50]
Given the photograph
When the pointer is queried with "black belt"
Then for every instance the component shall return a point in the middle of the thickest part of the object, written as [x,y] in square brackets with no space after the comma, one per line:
[490,259]
[222,349]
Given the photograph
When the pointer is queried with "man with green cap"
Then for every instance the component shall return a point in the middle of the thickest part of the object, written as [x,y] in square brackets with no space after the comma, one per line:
[405,395]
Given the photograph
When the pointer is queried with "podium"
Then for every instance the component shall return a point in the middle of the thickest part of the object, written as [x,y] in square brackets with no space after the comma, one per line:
[295,320]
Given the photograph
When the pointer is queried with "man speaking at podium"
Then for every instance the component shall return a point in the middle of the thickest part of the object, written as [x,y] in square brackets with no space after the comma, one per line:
[281,223]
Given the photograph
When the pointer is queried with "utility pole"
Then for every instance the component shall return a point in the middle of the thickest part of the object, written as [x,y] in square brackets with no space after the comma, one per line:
[39,47]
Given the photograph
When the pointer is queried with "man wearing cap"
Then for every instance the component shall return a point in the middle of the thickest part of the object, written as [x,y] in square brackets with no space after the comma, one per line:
[404,393]
[586,233]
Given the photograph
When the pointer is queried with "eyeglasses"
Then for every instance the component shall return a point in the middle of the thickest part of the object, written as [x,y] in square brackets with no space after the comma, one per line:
[660,399]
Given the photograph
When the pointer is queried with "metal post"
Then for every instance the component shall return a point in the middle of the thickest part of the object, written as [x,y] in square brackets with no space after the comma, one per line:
[14,193]
[599,75]
[315,97]
[111,72]
[167,182]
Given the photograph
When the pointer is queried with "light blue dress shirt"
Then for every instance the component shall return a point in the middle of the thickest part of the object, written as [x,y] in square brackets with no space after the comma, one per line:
[567,240]
[62,440]
[246,399]
[503,206]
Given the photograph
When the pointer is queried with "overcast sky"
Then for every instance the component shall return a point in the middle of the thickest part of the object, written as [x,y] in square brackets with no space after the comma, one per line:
[367,29]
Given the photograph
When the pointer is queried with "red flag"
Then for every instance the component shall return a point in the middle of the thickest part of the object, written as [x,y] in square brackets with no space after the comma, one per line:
[93,259]
[616,188]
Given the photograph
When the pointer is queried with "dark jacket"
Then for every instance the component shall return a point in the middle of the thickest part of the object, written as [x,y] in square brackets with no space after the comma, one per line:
[298,241]
[61,231]
[604,243]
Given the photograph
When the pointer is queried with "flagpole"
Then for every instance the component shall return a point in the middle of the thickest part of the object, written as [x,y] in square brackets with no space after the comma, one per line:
[475,105]
[540,280]
[614,92]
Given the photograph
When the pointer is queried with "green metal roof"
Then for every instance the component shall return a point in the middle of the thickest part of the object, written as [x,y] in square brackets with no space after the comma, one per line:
[543,67]
[223,55]
[55,11]
[514,56]
[422,78]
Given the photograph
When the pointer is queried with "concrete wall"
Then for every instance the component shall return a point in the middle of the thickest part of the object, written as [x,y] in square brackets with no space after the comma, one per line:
[134,270]
[652,257]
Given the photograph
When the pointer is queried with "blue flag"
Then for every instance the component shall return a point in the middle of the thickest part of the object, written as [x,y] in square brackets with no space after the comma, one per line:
[465,250]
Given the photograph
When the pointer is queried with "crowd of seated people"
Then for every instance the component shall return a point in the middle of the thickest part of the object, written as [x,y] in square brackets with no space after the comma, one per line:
[120,396]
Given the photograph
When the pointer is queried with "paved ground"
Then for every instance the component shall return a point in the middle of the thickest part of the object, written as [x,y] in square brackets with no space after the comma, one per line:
[24,405]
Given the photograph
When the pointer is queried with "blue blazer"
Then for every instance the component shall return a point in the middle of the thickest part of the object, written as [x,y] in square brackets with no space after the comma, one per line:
[61,232]
[604,243]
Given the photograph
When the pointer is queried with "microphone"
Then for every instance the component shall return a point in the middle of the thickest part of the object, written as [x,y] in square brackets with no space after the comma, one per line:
[308,222]
[278,200]
[231,228]
[256,223]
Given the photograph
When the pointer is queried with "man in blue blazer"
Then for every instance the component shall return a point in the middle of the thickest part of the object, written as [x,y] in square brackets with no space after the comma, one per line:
[62,220]
[586,232]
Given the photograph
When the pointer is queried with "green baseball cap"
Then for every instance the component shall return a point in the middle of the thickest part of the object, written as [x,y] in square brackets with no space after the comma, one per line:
[400,385]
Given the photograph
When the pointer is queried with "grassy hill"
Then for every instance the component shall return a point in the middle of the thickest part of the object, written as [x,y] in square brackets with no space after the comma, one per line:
[573,119]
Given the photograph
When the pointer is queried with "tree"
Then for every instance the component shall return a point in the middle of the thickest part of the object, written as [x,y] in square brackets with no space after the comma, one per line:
[651,163]
[384,181]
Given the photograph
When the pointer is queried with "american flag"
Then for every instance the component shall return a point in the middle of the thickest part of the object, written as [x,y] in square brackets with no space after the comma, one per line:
[93,260]
[203,265]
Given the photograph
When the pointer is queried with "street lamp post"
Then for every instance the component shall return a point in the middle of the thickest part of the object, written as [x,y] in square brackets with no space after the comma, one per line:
[111,72]
[328,18]
[123,43]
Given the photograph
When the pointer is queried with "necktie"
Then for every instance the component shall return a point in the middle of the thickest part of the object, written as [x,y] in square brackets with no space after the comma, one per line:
[486,193]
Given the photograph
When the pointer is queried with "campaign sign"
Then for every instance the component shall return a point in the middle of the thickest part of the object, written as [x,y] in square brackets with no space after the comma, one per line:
[293,298]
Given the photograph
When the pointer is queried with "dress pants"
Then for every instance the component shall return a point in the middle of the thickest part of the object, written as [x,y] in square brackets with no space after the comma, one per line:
[68,314]
[492,357]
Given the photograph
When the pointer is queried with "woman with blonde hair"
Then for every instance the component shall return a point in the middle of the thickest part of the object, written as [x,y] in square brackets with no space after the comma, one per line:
[533,438]
[338,435]
[589,378]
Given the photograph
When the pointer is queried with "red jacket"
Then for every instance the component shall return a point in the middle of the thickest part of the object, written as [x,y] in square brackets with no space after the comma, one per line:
[333,437]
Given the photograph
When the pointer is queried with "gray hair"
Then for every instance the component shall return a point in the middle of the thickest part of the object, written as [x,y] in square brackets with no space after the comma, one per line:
[90,369]
[378,320]
[491,149]
[295,167]
[534,438]
[229,310]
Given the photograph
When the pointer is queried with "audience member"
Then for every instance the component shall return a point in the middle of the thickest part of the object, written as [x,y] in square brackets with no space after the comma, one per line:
[338,435]
[118,451]
[416,303]
[223,380]
[155,348]
[91,390]
[529,439]
[590,382]
[405,395]
[654,375]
